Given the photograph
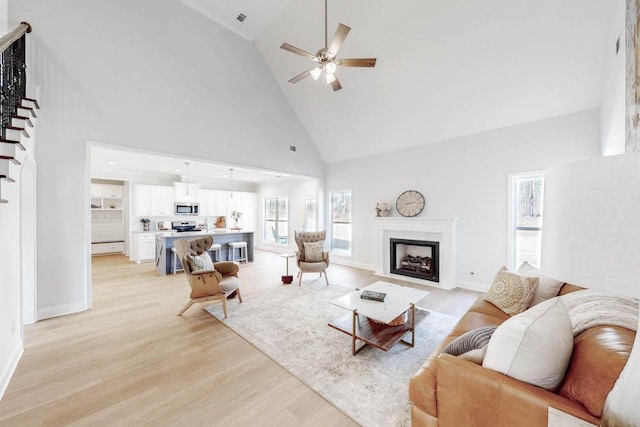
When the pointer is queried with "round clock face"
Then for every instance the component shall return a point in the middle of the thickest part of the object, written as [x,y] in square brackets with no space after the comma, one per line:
[410,203]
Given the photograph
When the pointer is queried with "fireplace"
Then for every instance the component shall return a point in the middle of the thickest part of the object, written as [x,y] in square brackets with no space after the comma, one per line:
[415,258]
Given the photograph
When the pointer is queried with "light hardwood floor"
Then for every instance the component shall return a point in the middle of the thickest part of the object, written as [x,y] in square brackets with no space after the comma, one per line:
[131,361]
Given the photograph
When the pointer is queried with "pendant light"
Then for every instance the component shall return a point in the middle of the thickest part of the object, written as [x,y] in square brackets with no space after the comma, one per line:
[187,196]
[231,181]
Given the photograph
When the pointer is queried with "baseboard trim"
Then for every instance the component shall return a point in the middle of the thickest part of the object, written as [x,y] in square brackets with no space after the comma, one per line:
[472,286]
[9,370]
[334,259]
[61,310]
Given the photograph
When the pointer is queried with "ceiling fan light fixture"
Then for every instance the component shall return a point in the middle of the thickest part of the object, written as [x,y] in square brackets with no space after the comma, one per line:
[329,78]
[315,73]
[330,67]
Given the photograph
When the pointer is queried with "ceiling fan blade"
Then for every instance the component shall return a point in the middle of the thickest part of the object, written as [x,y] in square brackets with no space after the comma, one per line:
[336,84]
[302,75]
[338,38]
[359,62]
[293,49]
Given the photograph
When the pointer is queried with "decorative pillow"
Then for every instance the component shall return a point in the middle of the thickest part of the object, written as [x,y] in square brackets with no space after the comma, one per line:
[472,340]
[313,251]
[200,262]
[547,287]
[535,346]
[475,356]
[510,292]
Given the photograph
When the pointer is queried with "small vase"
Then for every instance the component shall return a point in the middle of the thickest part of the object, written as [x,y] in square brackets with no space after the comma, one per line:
[145,227]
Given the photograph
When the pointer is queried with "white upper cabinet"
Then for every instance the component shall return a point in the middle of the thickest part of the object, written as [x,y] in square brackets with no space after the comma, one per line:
[247,205]
[186,193]
[153,200]
[213,202]
[107,191]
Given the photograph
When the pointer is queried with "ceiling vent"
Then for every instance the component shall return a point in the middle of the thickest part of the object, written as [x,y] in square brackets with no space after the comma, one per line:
[241,17]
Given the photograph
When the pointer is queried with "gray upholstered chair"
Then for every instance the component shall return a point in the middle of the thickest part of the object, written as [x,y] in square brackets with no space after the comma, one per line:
[207,285]
[304,263]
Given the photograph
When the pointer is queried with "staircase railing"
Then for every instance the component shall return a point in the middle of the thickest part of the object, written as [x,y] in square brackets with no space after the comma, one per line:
[13,74]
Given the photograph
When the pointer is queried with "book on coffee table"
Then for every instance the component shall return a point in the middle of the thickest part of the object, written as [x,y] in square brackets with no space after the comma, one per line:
[372,295]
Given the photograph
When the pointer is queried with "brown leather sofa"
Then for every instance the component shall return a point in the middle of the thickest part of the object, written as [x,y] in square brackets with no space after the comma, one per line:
[448,391]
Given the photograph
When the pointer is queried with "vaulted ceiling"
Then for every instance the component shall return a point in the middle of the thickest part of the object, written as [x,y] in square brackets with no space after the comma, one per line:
[445,68]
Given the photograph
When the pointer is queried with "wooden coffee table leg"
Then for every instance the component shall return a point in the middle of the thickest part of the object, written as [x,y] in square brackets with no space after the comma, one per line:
[413,324]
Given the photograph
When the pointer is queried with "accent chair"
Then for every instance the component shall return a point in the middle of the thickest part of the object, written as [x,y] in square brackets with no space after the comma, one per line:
[207,285]
[308,262]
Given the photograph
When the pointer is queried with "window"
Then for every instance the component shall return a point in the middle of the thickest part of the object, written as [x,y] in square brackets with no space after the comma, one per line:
[310,215]
[276,221]
[341,222]
[527,192]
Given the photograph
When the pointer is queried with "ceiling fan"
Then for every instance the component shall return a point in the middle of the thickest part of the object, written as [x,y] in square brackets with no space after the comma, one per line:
[325,58]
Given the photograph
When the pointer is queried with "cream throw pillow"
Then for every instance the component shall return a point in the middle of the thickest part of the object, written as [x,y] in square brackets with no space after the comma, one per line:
[547,287]
[313,251]
[511,292]
[200,262]
[535,346]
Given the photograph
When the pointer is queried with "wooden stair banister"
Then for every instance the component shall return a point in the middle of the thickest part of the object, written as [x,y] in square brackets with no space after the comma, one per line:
[17,111]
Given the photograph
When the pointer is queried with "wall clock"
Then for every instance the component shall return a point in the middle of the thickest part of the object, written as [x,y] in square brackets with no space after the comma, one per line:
[410,203]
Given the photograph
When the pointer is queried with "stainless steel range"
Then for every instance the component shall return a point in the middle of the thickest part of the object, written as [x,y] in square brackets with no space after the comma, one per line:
[184,226]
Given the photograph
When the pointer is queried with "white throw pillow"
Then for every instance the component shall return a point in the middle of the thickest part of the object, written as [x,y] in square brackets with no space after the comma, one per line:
[200,262]
[313,251]
[547,287]
[534,346]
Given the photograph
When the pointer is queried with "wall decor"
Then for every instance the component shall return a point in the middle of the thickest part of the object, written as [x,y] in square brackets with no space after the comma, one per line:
[410,203]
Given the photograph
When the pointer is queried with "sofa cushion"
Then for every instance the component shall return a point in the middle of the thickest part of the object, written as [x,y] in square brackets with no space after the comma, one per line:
[485,307]
[473,320]
[534,346]
[511,292]
[547,287]
[599,355]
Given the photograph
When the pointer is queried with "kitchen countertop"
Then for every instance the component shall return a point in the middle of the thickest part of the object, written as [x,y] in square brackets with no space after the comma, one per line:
[200,233]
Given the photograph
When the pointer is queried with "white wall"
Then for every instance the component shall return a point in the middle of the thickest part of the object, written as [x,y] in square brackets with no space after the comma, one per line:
[465,178]
[612,109]
[161,78]
[10,301]
[296,190]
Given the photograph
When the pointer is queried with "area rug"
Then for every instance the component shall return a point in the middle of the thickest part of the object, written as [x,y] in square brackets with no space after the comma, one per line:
[289,324]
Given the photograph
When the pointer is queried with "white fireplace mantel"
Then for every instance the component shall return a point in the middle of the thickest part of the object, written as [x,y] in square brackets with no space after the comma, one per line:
[442,231]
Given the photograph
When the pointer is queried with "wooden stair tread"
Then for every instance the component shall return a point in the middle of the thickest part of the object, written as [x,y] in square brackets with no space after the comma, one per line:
[11,158]
[3,201]
[31,111]
[26,119]
[22,130]
[34,102]
[6,178]
[10,141]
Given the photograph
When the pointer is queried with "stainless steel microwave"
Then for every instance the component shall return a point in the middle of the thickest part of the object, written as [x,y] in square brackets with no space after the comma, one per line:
[184,208]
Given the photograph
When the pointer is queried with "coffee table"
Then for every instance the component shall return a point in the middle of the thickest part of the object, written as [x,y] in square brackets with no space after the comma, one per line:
[369,320]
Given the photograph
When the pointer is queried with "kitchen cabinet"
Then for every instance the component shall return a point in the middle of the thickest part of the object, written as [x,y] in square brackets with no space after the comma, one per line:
[247,204]
[162,200]
[105,196]
[107,191]
[144,247]
[186,192]
[213,202]
[153,200]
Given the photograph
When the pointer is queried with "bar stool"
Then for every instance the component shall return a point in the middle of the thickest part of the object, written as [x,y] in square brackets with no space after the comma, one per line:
[175,264]
[216,248]
[242,249]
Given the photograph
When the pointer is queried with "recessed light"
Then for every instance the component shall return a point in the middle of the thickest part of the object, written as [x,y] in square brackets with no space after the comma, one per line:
[111,163]
[225,176]
[178,170]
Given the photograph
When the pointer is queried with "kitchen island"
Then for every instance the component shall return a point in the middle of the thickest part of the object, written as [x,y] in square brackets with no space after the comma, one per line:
[164,243]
